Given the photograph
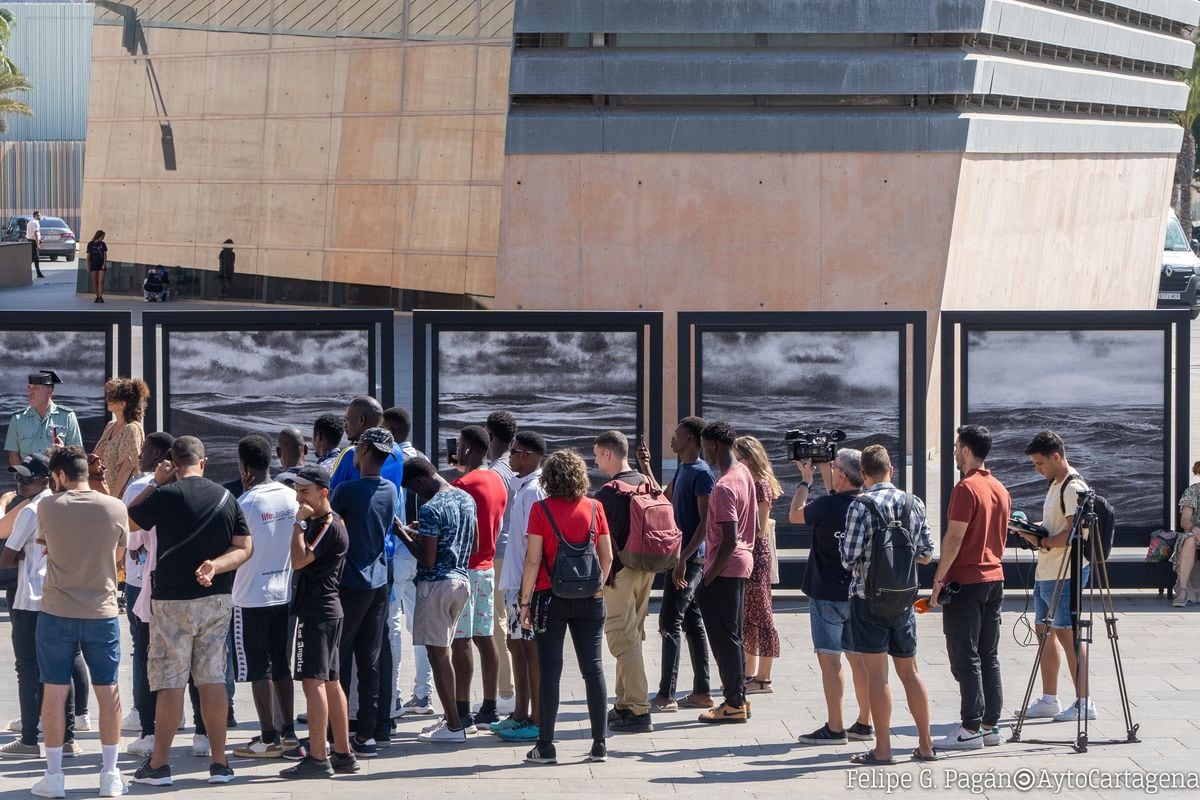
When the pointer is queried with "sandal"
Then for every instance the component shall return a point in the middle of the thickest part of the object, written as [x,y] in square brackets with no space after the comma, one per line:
[1181,598]
[916,756]
[868,759]
[755,686]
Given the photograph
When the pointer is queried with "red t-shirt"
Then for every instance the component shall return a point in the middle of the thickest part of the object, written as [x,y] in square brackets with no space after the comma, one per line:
[491,496]
[983,503]
[573,518]
[732,500]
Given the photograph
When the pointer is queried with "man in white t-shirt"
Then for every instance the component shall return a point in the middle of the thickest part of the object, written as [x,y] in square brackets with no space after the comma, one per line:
[262,638]
[33,234]
[1049,456]
[33,486]
[502,427]
[137,555]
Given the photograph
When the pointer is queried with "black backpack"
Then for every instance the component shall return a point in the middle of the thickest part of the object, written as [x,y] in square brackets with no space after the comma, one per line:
[891,584]
[575,573]
[1106,520]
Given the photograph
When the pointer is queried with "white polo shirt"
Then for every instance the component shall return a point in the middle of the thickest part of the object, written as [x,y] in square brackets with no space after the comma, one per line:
[33,229]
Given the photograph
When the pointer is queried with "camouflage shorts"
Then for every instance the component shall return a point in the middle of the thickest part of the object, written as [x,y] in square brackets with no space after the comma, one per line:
[188,637]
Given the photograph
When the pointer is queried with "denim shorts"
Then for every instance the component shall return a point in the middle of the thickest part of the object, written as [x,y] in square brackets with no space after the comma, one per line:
[829,621]
[1043,592]
[59,638]
[896,636]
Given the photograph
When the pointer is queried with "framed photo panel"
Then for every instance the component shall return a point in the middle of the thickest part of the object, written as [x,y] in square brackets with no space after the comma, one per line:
[1113,385]
[219,375]
[85,348]
[568,376]
[767,373]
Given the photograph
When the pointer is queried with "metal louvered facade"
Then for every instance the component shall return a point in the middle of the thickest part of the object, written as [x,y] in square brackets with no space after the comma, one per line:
[1003,76]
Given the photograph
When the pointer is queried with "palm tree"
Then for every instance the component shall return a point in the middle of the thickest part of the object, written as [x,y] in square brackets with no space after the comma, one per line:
[1185,165]
[11,79]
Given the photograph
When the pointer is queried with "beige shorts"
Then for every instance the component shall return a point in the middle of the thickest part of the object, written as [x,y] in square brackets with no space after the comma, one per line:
[439,605]
[188,637]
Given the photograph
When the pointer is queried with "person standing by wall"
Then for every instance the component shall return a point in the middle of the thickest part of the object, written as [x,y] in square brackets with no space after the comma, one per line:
[97,258]
[225,263]
[33,235]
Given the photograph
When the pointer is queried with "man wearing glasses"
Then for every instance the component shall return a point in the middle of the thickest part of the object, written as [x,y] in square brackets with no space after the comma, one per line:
[827,584]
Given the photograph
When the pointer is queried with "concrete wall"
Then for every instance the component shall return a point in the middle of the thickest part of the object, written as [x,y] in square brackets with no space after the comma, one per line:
[325,157]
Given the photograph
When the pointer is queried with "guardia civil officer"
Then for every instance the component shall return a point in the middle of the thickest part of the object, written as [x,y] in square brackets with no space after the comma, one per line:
[42,424]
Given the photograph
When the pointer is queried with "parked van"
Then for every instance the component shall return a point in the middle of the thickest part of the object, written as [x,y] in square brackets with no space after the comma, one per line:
[1179,281]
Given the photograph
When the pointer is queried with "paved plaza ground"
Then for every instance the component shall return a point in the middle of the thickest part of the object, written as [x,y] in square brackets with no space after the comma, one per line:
[683,758]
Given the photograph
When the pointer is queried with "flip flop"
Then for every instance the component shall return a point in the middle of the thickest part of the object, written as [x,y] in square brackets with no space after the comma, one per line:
[868,759]
[916,756]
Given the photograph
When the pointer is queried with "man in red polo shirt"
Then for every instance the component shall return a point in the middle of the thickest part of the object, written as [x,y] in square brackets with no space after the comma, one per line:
[478,617]
[971,550]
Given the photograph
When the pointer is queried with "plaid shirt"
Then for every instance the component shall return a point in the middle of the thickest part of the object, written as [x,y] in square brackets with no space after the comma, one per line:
[861,525]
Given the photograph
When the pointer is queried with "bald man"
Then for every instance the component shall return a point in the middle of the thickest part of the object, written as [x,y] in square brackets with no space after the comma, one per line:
[291,448]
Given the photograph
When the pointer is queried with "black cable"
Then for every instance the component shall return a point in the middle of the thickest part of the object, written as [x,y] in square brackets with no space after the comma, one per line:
[1023,623]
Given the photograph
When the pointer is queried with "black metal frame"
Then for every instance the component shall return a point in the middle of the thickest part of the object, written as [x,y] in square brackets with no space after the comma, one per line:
[379,325]
[427,325]
[117,327]
[1175,326]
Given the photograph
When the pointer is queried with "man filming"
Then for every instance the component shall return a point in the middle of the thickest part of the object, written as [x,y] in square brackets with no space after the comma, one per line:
[1049,456]
[971,552]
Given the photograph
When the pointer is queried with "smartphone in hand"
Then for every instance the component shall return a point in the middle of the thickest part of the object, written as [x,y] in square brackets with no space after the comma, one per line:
[451,450]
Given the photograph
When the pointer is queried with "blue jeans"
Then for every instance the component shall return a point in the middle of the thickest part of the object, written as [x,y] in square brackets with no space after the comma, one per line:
[58,639]
[144,700]
[404,601]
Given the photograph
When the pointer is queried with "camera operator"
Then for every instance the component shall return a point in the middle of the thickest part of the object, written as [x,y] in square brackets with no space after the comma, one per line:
[971,551]
[1049,456]
[827,585]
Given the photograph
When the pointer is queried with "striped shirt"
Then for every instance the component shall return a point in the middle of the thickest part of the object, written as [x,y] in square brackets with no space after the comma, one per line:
[861,525]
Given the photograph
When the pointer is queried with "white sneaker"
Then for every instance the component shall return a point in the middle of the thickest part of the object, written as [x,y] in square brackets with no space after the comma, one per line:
[131,722]
[1071,713]
[960,739]
[200,746]
[141,747]
[112,784]
[993,737]
[83,722]
[51,785]
[506,705]
[416,706]
[1042,709]
[15,725]
[442,735]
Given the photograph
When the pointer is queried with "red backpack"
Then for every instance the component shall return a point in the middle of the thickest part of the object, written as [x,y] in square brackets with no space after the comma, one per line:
[654,539]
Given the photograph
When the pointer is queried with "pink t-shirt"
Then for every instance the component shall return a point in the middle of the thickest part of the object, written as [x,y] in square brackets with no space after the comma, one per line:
[732,500]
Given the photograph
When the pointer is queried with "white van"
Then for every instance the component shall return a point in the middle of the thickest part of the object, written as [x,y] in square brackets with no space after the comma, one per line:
[1180,276]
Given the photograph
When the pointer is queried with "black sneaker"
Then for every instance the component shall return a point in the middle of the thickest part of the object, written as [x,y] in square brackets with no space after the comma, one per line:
[599,752]
[824,735]
[615,714]
[383,741]
[219,773]
[309,767]
[153,777]
[860,732]
[363,749]
[344,763]
[541,754]
[484,718]
[632,723]
[297,753]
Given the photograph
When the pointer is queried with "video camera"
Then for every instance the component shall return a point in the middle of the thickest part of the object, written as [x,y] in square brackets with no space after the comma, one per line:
[1018,523]
[818,446]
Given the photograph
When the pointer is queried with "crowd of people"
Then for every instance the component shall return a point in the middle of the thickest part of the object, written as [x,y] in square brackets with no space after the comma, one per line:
[356,559]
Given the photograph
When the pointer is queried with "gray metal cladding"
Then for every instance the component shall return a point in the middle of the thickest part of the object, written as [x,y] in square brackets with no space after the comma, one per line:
[52,45]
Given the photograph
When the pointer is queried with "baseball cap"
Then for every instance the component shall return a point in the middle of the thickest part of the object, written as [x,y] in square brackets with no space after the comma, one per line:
[380,438]
[310,476]
[34,465]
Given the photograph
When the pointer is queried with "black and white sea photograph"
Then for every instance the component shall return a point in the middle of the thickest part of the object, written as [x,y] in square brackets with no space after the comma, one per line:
[566,385]
[226,384]
[764,383]
[1101,391]
[80,359]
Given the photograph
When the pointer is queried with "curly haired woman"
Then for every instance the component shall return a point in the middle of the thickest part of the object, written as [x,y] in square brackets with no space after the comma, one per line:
[120,446]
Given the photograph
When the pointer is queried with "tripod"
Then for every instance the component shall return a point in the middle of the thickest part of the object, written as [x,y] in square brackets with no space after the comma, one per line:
[1081,626]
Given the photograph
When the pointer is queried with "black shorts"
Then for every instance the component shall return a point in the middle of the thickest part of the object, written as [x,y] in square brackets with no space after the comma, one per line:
[317,653]
[262,643]
[95,267]
[896,636]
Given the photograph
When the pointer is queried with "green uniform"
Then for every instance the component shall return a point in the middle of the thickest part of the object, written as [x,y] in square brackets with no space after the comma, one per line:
[29,433]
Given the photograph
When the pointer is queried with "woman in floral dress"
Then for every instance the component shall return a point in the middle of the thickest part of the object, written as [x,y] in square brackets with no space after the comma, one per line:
[760,639]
